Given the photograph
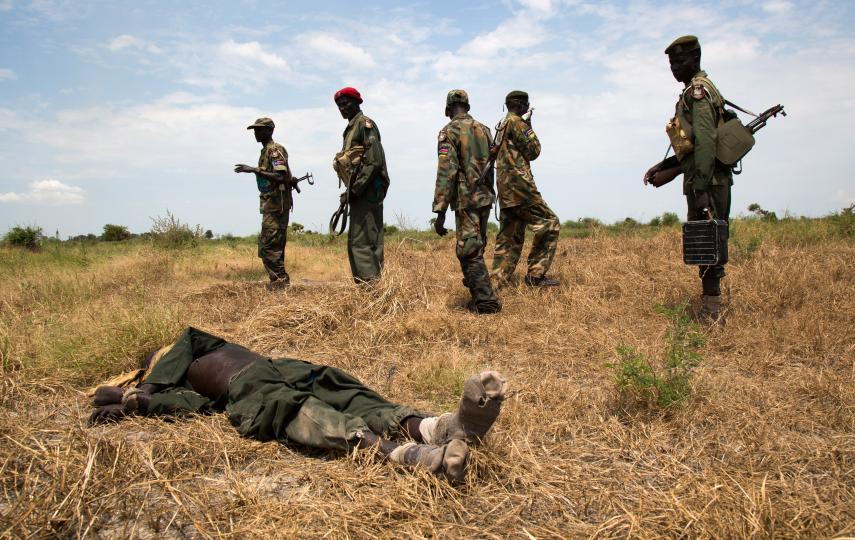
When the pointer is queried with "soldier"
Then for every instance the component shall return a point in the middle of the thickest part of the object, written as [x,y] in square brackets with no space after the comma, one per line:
[520,202]
[367,181]
[296,401]
[464,156]
[706,182]
[274,191]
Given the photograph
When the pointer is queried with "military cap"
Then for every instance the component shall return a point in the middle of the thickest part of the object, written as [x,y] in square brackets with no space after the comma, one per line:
[262,122]
[457,96]
[348,91]
[682,45]
[516,94]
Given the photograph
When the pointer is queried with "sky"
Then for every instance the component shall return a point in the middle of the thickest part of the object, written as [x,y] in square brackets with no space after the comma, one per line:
[116,111]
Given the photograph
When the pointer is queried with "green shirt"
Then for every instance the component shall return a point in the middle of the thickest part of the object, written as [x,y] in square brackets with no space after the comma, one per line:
[373,178]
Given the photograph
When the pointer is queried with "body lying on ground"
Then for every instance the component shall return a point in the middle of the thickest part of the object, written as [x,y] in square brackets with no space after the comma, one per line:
[290,400]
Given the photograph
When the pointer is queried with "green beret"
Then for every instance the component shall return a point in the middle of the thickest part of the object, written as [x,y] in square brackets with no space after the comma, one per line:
[457,96]
[261,122]
[516,94]
[682,45]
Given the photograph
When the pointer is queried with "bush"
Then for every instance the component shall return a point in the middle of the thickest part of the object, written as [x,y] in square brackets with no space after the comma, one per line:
[845,221]
[765,215]
[115,233]
[389,229]
[209,234]
[296,228]
[641,380]
[656,222]
[169,232]
[25,237]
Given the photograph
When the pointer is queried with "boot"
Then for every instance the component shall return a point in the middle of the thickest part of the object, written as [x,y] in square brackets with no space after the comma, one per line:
[711,308]
[541,281]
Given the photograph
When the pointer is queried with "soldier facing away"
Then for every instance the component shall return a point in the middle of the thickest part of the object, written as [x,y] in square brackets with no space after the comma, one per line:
[706,182]
[520,202]
[463,146]
[273,178]
[366,180]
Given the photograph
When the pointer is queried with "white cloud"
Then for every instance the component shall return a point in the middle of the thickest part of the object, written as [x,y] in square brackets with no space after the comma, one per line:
[778,7]
[129,42]
[7,75]
[47,192]
[332,47]
[253,52]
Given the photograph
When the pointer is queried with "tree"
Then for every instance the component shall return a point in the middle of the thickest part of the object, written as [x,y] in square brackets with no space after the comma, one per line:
[209,234]
[26,237]
[115,233]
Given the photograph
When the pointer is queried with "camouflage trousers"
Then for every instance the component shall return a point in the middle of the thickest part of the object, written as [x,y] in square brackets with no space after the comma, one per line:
[271,244]
[720,201]
[509,242]
[471,240]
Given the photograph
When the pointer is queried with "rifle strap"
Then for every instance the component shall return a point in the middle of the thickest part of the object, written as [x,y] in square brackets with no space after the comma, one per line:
[339,219]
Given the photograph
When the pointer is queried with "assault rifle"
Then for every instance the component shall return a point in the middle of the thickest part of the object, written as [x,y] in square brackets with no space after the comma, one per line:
[295,185]
[669,168]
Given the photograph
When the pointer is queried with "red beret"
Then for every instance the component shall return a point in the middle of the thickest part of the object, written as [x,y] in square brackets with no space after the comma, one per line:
[350,92]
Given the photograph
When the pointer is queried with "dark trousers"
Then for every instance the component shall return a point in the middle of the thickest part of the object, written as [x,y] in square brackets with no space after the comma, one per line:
[720,201]
[271,245]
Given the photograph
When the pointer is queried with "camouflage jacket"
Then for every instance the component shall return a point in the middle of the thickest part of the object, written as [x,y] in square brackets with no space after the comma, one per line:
[464,152]
[519,146]
[701,107]
[373,178]
[272,200]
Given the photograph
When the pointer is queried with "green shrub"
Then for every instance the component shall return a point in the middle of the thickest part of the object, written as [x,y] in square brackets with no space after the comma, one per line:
[667,382]
[25,237]
[389,229]
[115,233]
[168,232]
[669,219]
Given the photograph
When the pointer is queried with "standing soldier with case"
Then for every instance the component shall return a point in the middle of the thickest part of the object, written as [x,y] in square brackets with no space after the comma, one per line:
[461,183]
[692,132]
[520,202]
[367,181]
[274,191]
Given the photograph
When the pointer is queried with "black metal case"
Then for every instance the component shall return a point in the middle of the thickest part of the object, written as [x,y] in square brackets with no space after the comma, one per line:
[705,242]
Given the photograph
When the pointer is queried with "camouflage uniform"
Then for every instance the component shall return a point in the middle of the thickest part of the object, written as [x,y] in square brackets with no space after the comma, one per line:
[274,205]
[464,153]
[700,109]
[521,204]
[365,234]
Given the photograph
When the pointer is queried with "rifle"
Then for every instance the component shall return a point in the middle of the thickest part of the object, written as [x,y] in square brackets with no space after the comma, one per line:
[669,168]
[295,183]
[498,138]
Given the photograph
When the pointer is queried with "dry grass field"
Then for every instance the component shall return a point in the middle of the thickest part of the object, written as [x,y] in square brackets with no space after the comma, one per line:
[763,447]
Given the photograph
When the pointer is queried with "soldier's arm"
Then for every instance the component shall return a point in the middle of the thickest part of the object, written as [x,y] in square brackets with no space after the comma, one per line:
[525,139]
[446,173]
[281,173]
[372,161]
[703,122]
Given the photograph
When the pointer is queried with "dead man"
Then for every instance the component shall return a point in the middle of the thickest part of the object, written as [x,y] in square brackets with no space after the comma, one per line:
[290,400]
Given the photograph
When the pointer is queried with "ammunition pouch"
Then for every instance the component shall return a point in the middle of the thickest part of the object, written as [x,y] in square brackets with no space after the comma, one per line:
[347,163]
[733,141]
[681,140]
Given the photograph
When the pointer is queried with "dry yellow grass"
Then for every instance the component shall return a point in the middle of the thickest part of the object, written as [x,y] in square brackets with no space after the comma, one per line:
[765,446]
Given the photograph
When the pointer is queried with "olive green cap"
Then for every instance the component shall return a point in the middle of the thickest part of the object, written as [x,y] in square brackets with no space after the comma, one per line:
[457,96]
[262,122]
[682,45]
[516,94]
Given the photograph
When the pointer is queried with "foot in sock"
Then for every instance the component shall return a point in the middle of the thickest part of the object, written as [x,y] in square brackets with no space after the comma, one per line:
[447,461]
[479,408]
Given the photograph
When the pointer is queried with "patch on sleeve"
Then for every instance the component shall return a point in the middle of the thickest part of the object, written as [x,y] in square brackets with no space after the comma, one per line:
[274,154]
[368,124]
[529,133]
[278,162]
[444,149]
[698,91]
[441,136]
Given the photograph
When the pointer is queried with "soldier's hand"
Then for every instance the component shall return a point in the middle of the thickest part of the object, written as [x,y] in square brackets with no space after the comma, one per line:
[702,200]
[651,172]
[240,167]
[439,224]
[107,395]
[107,413]
[494,151]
